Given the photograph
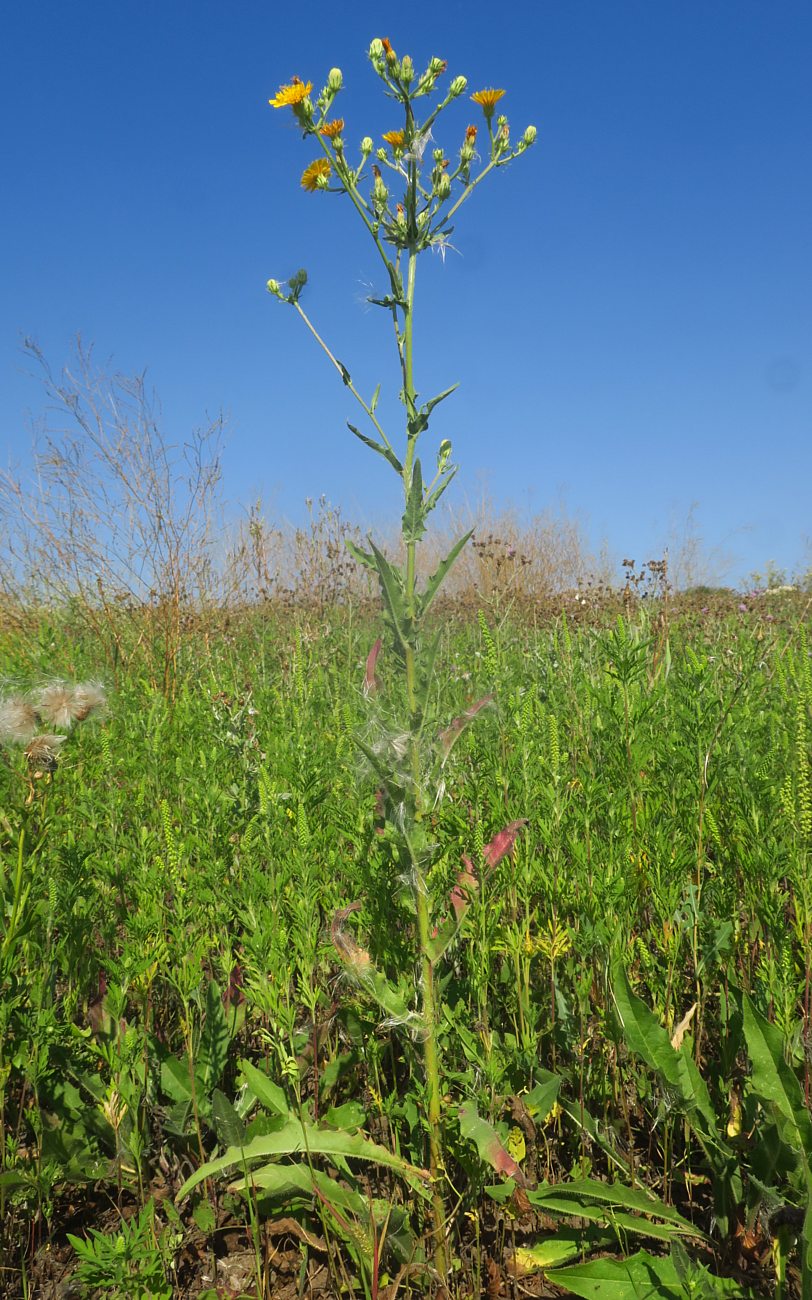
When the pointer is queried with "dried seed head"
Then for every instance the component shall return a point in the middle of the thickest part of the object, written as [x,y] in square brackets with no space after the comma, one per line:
[43,753]
[88,697]
[18,721]
[62,705]
[54,704]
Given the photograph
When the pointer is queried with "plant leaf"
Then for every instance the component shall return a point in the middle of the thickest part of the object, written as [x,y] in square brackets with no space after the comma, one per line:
[413,525]
[488,1143]
[437,578]
[382,450]
[776,1084]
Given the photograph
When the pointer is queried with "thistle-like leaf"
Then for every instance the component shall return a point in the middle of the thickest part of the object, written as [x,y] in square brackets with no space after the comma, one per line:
[382,450]
[438,577]
[413,517]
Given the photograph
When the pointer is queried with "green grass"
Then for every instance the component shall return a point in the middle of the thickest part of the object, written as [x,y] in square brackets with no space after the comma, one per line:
[191,847]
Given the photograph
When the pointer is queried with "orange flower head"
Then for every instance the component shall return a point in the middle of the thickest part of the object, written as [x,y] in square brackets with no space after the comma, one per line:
[471,133]
[397,139]
[487,100]
[387,49]
[314,173]
[332,129]
[292,95]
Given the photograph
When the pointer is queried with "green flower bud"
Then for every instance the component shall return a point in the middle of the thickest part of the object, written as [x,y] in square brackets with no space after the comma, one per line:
[367,145]
[443,455]
[437,155]
[443,187]
[274,287]
[436,66]
[457,86]
[406,69]
[376,49]
[334,79]
[380,154]
[530,135]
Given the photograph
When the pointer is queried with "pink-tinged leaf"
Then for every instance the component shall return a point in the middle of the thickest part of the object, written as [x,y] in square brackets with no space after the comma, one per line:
[466,886]
[370,682]
[449,736]
[502,843]
[488,1144]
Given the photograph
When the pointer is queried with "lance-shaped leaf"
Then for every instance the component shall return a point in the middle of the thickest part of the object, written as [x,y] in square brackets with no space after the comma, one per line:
[381,448]
[438,577]
[370,682]
[467,886]
[295,1138]
[488,1143]
[434,497]
[363,557]
[413,522]
[392,592]
[776,1084]
[451,734]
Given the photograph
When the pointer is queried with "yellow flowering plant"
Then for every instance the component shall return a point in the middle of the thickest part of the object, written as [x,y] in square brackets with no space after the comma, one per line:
[407,195]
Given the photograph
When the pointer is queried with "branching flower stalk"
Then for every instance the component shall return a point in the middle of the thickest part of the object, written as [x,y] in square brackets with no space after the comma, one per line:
[429,190]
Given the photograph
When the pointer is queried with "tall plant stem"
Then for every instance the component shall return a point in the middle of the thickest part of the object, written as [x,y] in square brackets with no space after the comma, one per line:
[431,1059]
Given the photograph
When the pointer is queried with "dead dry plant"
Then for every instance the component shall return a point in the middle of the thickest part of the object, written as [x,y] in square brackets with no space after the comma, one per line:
[113,517]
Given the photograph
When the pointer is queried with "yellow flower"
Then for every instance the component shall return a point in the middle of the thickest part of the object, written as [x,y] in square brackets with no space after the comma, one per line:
[397,139]
[292,95]
[487,99]
[332,129]
[313,174]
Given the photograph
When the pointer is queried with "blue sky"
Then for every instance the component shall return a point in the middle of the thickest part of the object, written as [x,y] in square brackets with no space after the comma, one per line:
[629,313]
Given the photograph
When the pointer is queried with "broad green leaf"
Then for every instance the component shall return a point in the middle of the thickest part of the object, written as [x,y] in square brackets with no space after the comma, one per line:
[264,1089]
[228,1126]
[212,1053]
[295,1138]
[541,1099]
[641,1277]
[649,1040]
[437,578]
[175,1079]
[633,1199]
[776,1084]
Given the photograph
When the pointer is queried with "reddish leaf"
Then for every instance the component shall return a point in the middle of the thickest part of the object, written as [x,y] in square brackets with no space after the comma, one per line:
[370,683]
[454,729]
[502,843]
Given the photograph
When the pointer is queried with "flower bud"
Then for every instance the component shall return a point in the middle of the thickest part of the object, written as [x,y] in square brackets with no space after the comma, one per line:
[406,70]
[367,145]
[443,187]
[457,86]
[376,49]
[335,80]
[380,154]
[274,287]
[437,155]
[436,66]
[530,135]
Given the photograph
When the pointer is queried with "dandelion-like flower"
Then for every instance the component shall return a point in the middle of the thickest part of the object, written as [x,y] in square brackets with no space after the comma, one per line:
[18,720]
[292,95]
[397,139]
[471,134]
[311,176]
[487,100]
[332,129]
